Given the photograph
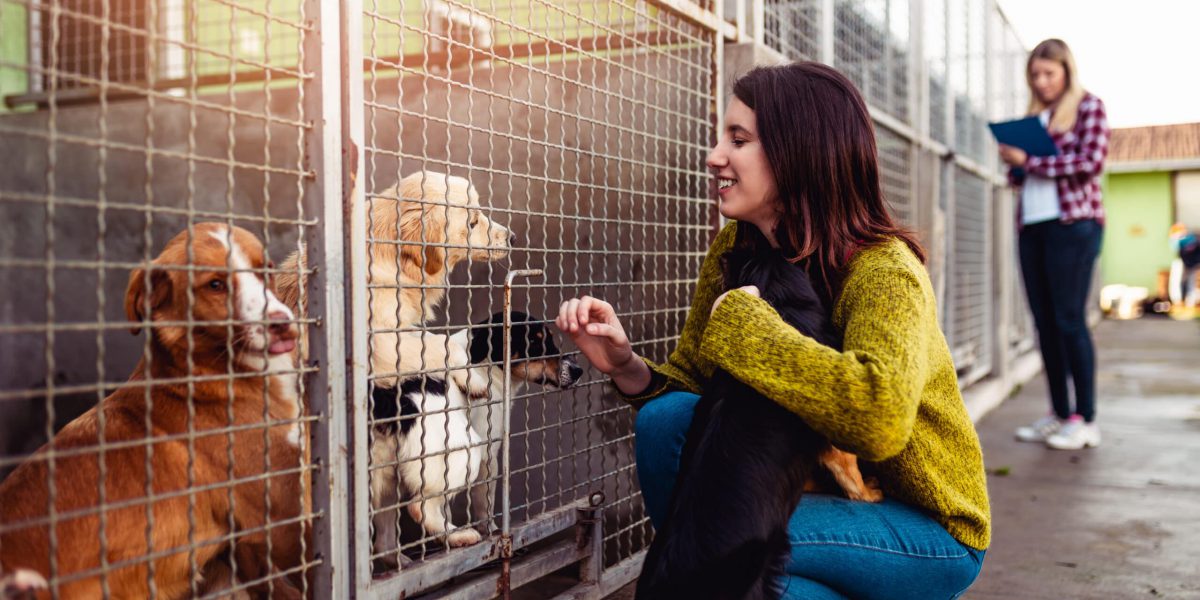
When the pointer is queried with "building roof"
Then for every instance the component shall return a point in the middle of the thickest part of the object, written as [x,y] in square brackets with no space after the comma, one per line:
[1158,143]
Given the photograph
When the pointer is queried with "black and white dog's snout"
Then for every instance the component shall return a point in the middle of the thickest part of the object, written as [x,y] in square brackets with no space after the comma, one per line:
[569,372]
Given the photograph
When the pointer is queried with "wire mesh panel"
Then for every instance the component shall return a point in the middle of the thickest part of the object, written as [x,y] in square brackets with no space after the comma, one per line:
[563,137]
[77,32]
[968,25]
[896,174]
[936,47]
[970,324]
[155,171]
[871,47]
[1009,96]
[1009,93]
[793,27]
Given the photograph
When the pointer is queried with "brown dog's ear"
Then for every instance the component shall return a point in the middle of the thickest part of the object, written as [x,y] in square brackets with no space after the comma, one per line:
[136,295]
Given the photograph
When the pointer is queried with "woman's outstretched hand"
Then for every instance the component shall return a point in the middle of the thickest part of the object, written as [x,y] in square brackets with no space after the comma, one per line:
[594,327]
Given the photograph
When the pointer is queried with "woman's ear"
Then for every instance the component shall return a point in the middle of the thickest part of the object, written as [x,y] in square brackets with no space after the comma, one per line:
[136,295]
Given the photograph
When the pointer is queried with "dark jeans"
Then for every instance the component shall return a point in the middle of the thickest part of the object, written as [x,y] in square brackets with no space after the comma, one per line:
[1056,264]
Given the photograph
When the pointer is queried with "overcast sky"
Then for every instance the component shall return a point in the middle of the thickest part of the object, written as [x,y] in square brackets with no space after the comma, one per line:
[1139,56]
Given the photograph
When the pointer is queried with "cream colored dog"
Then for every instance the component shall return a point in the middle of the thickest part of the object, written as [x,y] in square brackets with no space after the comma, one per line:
[420,229]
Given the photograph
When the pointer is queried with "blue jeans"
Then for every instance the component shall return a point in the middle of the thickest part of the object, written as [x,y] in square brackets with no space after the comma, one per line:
[840,548]
[1056,265]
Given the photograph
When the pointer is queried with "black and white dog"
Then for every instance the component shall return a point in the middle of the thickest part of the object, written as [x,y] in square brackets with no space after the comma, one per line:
[744,466]
[434,440]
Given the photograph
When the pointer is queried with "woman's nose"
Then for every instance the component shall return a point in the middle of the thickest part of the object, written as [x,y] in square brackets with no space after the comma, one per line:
[716,158]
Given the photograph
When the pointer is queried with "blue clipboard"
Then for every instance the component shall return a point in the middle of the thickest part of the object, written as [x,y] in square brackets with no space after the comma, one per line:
[1026,134]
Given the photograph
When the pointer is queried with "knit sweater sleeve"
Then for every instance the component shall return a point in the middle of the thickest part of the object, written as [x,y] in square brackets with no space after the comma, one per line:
[683,369]
[864,398]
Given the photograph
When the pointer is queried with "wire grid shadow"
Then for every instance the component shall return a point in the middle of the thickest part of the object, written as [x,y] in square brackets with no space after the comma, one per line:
[567,137]
[154,173]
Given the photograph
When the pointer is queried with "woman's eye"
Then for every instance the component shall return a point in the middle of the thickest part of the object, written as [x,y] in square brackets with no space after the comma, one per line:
[217,285]
[738,143]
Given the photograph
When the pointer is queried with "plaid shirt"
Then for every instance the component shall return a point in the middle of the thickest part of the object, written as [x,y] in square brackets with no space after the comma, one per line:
[1078,165]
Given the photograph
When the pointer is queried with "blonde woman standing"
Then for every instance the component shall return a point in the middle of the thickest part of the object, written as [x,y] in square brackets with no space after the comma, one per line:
[1061,221]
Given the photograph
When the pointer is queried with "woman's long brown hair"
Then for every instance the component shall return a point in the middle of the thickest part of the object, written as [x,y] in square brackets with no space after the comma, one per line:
[820,142]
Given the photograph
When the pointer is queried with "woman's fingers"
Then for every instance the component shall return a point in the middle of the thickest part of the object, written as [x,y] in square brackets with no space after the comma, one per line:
[614,334]
[560,321]
[575,314]
[571,312]
[593,310]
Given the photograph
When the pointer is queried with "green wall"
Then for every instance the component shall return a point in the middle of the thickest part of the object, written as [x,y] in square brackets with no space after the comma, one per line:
[1139,212]
[390,27]
[14,31]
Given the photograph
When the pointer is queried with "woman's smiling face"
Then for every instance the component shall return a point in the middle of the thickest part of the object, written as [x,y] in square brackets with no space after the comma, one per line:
[746,188]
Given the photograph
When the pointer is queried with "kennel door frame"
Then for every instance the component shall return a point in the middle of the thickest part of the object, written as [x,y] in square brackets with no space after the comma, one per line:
[328,295]
[355,502]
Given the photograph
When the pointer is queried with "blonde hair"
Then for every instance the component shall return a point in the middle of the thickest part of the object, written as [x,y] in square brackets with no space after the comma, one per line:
[1067,108]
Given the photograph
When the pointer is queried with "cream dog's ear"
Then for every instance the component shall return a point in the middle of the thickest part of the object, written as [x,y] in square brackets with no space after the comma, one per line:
[422,230]
[136,295]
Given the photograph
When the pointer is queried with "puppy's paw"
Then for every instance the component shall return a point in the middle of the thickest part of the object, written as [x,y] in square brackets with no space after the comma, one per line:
[464,537]
[459,363]
[870,491]
[487,528]
[470,383]
[388,563]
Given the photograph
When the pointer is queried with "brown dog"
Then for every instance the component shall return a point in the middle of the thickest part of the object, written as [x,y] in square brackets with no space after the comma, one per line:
[203,406]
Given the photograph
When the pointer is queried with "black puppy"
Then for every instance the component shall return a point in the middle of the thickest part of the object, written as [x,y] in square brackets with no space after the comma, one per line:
[744,466]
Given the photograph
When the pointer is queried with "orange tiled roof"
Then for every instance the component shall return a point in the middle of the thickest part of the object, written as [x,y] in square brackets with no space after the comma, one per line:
[1157,142]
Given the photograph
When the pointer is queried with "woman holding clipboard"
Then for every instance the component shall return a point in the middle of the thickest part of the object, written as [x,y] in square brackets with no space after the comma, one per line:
[1061,221]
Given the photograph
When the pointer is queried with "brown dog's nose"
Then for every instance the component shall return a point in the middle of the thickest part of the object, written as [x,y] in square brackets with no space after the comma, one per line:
[280,322]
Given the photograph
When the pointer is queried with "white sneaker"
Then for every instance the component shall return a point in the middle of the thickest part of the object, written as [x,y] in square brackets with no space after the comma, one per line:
[1075,435]
[1040,429]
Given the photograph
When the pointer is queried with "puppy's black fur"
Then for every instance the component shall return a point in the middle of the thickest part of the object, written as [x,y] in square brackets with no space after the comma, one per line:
[744,466]
[530,340]
[387,405]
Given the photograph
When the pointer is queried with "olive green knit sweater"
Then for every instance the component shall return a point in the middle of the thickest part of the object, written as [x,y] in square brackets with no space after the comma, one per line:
[889,396]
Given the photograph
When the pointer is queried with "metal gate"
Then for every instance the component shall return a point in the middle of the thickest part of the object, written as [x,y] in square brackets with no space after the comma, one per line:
[581,127]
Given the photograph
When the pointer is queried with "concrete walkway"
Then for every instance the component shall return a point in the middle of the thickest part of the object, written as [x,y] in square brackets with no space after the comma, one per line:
[1118,521]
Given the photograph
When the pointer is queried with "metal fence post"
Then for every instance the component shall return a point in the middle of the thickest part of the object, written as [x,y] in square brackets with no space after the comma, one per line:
[327,294]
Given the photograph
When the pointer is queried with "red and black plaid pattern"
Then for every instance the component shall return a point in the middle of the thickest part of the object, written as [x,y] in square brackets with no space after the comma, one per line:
[1077,167]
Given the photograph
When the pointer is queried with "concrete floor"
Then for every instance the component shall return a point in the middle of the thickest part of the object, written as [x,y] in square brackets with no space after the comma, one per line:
[1119,521]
